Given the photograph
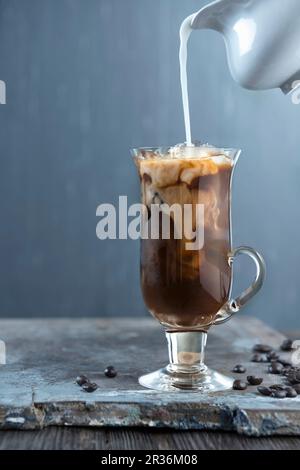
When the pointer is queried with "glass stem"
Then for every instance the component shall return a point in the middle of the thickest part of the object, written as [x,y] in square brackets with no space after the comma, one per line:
[186,352]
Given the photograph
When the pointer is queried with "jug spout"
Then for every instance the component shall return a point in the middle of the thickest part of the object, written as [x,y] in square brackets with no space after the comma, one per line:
[262,40]
[213,16]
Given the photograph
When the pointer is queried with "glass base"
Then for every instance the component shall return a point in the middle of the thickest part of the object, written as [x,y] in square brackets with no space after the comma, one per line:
[204,381]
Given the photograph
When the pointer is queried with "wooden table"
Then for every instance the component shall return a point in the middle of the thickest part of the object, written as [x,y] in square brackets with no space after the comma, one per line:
[38,394]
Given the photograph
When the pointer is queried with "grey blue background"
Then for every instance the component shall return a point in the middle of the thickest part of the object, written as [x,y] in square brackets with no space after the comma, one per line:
[87,80]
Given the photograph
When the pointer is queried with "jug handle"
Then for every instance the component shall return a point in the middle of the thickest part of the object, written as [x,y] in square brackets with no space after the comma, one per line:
[234,305]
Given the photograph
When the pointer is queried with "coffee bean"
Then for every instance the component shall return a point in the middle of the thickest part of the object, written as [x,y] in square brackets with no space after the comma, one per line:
[239,369]
[291,393]
[89,387]
[275,368]
[254,380]
[257,358]
[293,375]
[278,387]
[81,379]
[262,348]
[266,391]
[296,387]
[110,372]
[239,385]
[297,376]
[287,345]
[294,378]
[279,394]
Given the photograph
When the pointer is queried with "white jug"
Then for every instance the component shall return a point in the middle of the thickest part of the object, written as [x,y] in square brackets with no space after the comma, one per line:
[262,40]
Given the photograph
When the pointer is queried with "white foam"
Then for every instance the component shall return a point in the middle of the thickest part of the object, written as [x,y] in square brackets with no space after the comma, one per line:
[196,151]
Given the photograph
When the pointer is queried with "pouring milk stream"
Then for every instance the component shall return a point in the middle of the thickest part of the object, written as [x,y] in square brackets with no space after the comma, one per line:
[185,32]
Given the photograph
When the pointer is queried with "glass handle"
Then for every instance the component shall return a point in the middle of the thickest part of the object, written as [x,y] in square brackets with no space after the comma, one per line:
[234,305]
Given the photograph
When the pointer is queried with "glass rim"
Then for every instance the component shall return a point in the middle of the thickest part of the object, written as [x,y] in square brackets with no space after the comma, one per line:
[164,152]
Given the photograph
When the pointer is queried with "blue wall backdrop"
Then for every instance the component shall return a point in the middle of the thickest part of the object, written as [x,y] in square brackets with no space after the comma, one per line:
[87,80]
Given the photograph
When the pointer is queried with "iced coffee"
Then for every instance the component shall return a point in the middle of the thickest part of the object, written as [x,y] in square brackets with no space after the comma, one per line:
[184,287]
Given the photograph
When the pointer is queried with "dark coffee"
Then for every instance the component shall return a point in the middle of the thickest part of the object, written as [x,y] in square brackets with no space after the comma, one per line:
[187,288]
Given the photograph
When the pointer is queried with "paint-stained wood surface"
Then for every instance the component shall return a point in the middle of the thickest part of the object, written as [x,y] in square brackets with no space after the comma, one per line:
[37,386]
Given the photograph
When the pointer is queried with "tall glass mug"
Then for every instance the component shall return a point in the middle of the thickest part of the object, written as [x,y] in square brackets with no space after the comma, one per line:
[187,257]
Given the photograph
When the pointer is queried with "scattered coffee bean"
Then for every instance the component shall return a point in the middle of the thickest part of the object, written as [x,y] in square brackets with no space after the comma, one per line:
[81,379]
[252,380]
[262,348]
[239,385]
[296,387]
[257,358]
[89,387]
[278,391]
[110,372]
[266,391]
[287,345]
[278,387]
[291,393]
[279,394]
[293,375]
[275,368]
[239,369]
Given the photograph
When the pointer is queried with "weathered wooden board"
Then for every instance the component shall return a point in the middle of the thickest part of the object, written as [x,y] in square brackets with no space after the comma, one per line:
[37,386]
